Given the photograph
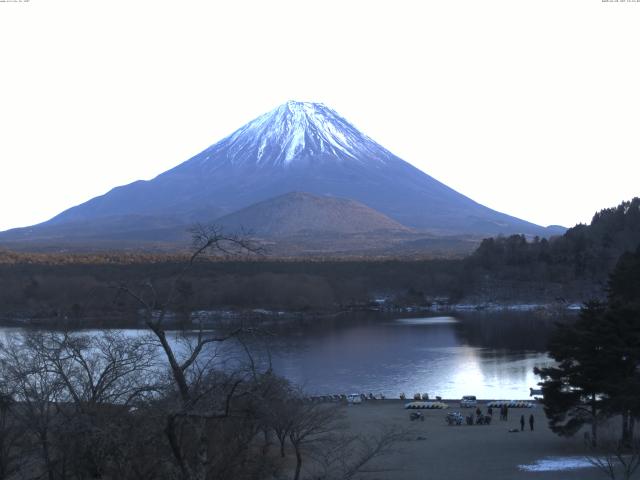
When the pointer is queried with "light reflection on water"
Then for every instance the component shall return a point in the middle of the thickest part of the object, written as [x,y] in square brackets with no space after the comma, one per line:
[487,356]
[424,321]
[439,356]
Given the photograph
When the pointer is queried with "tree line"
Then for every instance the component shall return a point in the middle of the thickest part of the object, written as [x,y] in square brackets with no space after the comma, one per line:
[566,268]
[584,252]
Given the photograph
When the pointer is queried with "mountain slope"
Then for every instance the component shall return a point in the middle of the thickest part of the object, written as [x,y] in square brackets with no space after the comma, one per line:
[298,213]
[301,147]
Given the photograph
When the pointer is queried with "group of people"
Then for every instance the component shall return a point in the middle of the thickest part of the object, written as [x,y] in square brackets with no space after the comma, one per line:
[480,418]
[504,415]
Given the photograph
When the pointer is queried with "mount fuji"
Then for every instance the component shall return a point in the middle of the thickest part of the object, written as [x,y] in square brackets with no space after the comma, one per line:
[297,147]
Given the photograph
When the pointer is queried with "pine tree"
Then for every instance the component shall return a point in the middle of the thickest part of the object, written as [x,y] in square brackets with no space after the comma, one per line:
[574,390]
[598,360]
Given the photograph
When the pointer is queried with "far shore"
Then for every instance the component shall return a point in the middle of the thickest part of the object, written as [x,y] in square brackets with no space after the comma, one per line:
[209,317]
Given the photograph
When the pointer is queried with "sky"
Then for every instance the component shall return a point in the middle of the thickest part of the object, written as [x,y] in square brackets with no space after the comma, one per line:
[529,107]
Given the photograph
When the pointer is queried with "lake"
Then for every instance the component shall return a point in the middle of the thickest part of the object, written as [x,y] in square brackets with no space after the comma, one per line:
[490,355]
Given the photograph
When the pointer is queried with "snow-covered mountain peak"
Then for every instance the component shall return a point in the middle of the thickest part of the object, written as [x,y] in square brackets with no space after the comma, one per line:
[297,147]
[297,130]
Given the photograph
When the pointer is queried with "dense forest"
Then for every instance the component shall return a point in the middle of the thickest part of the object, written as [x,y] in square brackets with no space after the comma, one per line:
[569,268]
[88,290]
[581,259]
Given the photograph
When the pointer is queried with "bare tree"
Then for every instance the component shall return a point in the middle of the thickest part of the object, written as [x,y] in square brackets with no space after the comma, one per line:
[156,307]
[105,369]
[37,392]
[103,375]
[11,437]
[278,409]
[614,457]
[318,434]
[203,395]
[310,423]
[344,457]
[74,394]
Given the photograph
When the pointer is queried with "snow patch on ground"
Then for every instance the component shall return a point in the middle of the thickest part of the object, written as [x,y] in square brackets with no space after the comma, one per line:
[427,321]
[556,464]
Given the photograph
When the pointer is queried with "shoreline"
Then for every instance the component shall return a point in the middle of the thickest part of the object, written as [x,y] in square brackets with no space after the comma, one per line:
[209,317]
[449,402]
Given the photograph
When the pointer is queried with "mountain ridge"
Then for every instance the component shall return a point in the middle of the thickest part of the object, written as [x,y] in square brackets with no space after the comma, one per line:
[297,147]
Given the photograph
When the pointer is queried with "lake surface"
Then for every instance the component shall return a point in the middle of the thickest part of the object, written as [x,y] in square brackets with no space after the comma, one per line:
[490,355]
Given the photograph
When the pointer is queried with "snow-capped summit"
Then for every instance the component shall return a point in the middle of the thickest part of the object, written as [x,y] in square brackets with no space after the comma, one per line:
[295,131]
[297,147]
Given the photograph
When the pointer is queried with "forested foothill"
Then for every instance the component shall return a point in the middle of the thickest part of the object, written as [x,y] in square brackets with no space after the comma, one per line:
[581,258]
[503,270]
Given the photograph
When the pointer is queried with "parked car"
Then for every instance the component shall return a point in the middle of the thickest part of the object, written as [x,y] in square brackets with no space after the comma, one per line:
[468,401]
[454,418]
[354,398]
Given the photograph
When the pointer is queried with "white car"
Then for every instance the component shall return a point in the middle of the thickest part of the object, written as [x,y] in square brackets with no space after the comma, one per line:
[468,401]
[354,399]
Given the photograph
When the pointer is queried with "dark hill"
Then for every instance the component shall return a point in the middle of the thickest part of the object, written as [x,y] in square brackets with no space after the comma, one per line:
[299,213]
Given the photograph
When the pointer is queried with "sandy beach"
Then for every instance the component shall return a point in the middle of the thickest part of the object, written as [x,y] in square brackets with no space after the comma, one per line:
[434,450]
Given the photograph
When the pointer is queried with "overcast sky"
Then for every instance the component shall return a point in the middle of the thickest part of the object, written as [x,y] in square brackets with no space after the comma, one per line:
[529,107]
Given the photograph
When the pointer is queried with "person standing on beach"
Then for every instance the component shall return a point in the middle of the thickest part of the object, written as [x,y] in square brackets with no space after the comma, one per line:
[521,422]
[531,420]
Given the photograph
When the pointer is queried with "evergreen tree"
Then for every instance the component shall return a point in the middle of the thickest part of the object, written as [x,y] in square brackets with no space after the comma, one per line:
[623,317]
[598,359]
[574,390]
